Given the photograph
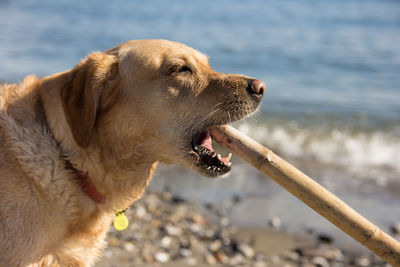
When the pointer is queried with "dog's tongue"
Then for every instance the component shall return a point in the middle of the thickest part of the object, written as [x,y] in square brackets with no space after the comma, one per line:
[204,140]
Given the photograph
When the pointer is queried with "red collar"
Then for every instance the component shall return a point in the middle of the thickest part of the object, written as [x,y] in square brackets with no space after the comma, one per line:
[86,184]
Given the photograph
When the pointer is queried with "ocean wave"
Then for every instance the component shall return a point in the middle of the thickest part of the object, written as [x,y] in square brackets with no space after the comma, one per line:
[350,148]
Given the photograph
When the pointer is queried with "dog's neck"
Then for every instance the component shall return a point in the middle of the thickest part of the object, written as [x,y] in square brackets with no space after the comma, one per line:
[81,177]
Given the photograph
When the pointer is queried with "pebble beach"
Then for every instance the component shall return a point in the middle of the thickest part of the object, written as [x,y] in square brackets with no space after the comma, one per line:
[166,230]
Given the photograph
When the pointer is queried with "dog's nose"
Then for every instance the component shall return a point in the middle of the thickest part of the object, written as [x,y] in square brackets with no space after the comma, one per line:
[256,87]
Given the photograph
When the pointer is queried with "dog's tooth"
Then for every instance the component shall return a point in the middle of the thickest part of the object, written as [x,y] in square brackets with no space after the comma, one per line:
[214,154]
[229,164]
[219,156]
[229,156]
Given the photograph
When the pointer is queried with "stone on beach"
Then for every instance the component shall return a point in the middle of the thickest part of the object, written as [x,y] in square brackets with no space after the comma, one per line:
[275,222]
[395,228]
[162,257]
[246,250]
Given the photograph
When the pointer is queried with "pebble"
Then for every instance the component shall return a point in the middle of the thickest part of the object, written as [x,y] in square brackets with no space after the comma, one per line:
[274,222]
[215,245]
[246,250]
[275,259]
[291,255]
[324,251]
[325,238]
[128,246]
[220,256]
[260,257]
[363,261]
[224,221]
[210,259]
[198,218]
[226,241]
[172,230]
[162,257]
[114,242]
[395,228]
[166,196]
[209,233]
[334,254]
[108,253]
[236,199]
[195,228]
[177,200]
[185,253]
[236,259]
[166,242]
[320,261]
[140,212]
[148,258]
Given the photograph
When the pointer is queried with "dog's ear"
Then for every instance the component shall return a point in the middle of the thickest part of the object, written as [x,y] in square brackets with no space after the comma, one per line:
[81,95]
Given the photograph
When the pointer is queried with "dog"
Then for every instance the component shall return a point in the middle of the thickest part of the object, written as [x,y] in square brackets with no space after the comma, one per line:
[77,146]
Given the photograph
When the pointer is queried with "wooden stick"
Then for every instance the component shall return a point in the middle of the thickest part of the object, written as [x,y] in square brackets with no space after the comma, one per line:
[311,193]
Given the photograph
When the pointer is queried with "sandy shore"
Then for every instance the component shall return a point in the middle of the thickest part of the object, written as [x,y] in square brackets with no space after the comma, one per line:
[168,231]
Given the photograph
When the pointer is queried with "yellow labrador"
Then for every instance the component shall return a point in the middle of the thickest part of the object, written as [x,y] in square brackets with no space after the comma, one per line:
[79,145]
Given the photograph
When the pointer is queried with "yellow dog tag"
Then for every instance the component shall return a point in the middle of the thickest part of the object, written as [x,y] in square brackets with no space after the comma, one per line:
[121,222]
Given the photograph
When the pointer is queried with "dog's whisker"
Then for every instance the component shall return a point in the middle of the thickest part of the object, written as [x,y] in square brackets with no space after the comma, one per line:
[229,116]
[214,110]
[212,113]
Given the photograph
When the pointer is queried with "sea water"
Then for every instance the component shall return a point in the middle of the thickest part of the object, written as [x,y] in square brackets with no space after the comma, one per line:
[332,69]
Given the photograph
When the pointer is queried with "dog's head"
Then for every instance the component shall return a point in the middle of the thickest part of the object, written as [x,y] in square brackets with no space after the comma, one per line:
[154,100]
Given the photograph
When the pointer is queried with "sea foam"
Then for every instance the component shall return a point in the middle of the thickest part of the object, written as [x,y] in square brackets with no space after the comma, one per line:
[357,151]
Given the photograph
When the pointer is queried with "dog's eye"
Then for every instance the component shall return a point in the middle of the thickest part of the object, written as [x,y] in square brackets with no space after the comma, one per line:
[184,69]
[180,69]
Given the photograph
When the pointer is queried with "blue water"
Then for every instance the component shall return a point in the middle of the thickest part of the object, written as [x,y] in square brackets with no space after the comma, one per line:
[332,70]
[334,56]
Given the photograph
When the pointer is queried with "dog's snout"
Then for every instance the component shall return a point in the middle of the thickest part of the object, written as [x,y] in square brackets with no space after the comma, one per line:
[256,87]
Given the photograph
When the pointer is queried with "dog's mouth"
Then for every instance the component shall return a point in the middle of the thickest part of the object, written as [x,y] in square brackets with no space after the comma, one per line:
[207,160]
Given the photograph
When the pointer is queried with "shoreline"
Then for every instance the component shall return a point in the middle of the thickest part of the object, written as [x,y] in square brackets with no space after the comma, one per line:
[251,199]
[166,230]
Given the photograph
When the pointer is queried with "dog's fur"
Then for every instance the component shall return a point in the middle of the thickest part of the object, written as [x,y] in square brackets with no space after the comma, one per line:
[113,116]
